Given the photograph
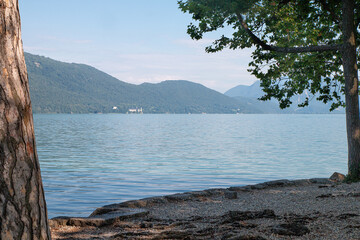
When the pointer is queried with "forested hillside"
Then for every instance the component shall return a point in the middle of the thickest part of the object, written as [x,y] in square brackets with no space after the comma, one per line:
[58,87]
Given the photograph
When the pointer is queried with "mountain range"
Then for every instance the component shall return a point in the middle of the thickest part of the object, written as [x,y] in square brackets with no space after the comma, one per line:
[59,87]
[249,95]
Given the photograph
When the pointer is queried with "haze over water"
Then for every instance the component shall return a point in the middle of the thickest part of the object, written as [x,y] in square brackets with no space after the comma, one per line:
[88,161]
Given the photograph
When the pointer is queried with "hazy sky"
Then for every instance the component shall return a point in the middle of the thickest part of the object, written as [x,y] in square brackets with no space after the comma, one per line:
[135,41]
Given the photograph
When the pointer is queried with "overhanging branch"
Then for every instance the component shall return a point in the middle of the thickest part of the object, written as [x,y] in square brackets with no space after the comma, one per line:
[265,46]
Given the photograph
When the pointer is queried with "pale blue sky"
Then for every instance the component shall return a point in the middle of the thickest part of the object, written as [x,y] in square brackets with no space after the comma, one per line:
[135,41]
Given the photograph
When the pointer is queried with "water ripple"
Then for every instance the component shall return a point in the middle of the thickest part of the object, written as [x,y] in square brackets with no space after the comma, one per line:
[92,160]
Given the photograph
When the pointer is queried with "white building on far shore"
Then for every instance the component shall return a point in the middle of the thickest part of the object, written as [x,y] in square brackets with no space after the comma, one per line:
[135,110]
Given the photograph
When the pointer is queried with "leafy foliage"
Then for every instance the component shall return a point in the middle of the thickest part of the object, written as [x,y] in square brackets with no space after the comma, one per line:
[283,24]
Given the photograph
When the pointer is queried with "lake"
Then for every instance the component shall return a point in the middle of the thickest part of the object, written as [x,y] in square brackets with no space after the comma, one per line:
[91,160]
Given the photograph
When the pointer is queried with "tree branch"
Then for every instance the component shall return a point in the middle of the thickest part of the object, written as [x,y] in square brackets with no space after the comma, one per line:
[265,46]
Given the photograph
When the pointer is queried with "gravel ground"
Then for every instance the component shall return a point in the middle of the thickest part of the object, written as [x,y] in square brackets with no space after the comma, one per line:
[302,209]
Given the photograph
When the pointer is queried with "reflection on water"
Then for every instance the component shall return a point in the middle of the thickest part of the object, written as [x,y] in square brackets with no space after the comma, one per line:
[88,161]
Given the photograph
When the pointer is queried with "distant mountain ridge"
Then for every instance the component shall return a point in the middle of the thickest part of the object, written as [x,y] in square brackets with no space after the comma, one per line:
[252,91]
[249,95]
[58,87]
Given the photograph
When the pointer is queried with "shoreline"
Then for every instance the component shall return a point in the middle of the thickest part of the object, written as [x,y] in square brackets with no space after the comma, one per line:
[143,203]
[318,208]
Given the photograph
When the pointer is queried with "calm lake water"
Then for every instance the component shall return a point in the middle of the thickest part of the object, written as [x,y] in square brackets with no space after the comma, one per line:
[88,161]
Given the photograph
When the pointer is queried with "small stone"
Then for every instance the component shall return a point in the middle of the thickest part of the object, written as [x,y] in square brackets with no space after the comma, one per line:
[247,225]
[347,215]
[232,216]
[354,194]
[258,186]
[175,235]
[301,182]
[320,180]
[231,195]
[279,183]
[290,229]
[239,189]
[146,225]
[58,221]
[84,222]
[337,177]
[329,195]
[179,197]
[246,237]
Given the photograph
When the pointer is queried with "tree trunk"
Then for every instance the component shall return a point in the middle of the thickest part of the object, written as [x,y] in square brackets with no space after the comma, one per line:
[23,213]
[351,89]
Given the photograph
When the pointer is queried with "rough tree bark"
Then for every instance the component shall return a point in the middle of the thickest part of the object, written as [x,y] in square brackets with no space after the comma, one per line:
[23,213]
[351,89]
